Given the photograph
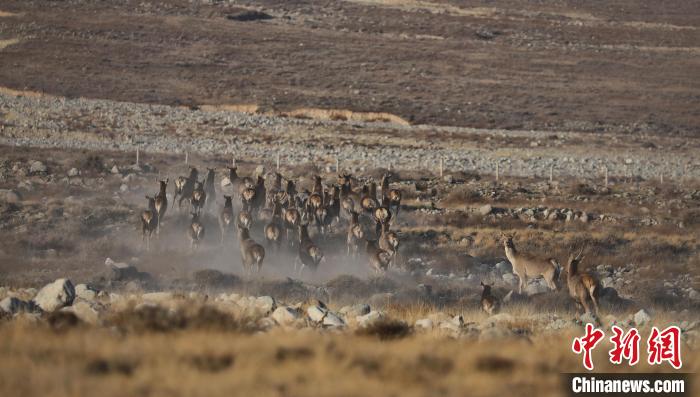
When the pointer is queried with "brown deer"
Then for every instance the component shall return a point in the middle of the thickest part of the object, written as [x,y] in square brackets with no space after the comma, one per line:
[582,285]
[391,198]
[379,259]
[489,303]
[526,265]
[161,202]
[368,202]
[260,194]
[252,253]
[226,218]
[248,199]
[382,216]
[310,255]
[389,242]
[292,219]
[210,188]
[199,197]
[244,220]
[195,232]
[355,235]
[273,230]
[184,186]
[149,222]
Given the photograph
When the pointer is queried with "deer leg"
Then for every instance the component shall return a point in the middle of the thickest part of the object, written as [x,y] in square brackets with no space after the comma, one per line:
[595,303]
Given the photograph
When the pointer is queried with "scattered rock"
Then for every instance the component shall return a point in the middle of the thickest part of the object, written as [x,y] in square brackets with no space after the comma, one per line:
[588,318]
[85,292]
[504,267]
[316,313]
[56,295]
[12,305]
[485,209]
[369,319]
[424,323]
[641,318]
[355,310]
[73,172]
[115,170]
[37,167]
[10,196]
[265,304]
[286,316]
[85,312]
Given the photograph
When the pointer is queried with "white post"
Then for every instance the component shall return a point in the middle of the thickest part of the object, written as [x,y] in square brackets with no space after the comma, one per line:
[278,161]
[137,156]
[606,176]
[187,157]
[233,161]
[441,167]
[337,165]
[551,173]
[662,177]
[498,169]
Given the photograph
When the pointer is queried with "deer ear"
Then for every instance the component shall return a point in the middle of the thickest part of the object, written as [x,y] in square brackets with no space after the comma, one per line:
[482,284]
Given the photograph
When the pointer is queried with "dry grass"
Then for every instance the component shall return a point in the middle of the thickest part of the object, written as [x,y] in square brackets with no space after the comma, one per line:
[344,115]
[38,361]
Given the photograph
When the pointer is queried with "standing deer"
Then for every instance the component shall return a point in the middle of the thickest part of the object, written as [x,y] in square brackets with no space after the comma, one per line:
[489,303]
[390,197]
[244,220]
[226,218]
[368,202]
[195,232]
[355,235]
[309,253]
[382,216]
[527,266]
[292,219]
[582,285]
[209,188]
[252,253]
[161,202]
[184,186]
[149,222]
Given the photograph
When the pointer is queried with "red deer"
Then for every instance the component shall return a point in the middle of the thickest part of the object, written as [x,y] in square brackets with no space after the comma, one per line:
[527,266]
[244,220]
[247,199]
[199,197]
[379,259]
[226,219]
[391,198]
[161,202]
[292,219]
[195,232]
[310,254]
[368,202]
[382,216]
[273,230]
[389,242]
[582,285]
[489,303]
[355,235]
[149,222]
[209,187]
[184,186]
[252,253]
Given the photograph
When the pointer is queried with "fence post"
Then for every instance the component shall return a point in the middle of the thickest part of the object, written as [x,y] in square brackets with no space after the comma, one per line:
[498,169]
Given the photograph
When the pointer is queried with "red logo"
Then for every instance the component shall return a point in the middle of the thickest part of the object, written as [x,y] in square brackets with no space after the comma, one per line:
[665,346]
[626,346]
[587,343]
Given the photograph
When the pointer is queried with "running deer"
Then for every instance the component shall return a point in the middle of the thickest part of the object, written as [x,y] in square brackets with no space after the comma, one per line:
[368,202]
[292,219]
[252,253]
[199,197]
[226,218]
[489,303]
[184,186]
[260,194]
[248,199]
[161,202]
[209,188]
[379,259]
[195,232]
[582,285]
[149,222]
[355,235]
[244,220]
[273,230]
[526,265]
[389,242]
[382,216]
[391,198]
[310,254]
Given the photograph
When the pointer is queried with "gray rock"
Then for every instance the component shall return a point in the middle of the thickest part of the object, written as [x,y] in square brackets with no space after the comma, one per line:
[485,209]
[56,295]
[607,282]
[587,318]
[369,319]
[85,312]
[504,267]
[10,196]
[73,172]
[286,316]
[265,304]
[641,318]
[37,167]
[510,278]
[85,292]
[332,320]
[12,305]
[424,323]
[355,310]
[316,313]
[115,170]
[537,286]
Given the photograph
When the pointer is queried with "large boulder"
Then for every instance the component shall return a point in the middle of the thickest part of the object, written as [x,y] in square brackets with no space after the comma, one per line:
[286,316]
[10,196]
[56,295]
[37,167]
[369,319]
[355,310]
[85,292]
[85,312]
[641,318]
[424,323]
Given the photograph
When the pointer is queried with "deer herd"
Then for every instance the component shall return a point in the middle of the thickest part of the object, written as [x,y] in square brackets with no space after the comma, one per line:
[273,205]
